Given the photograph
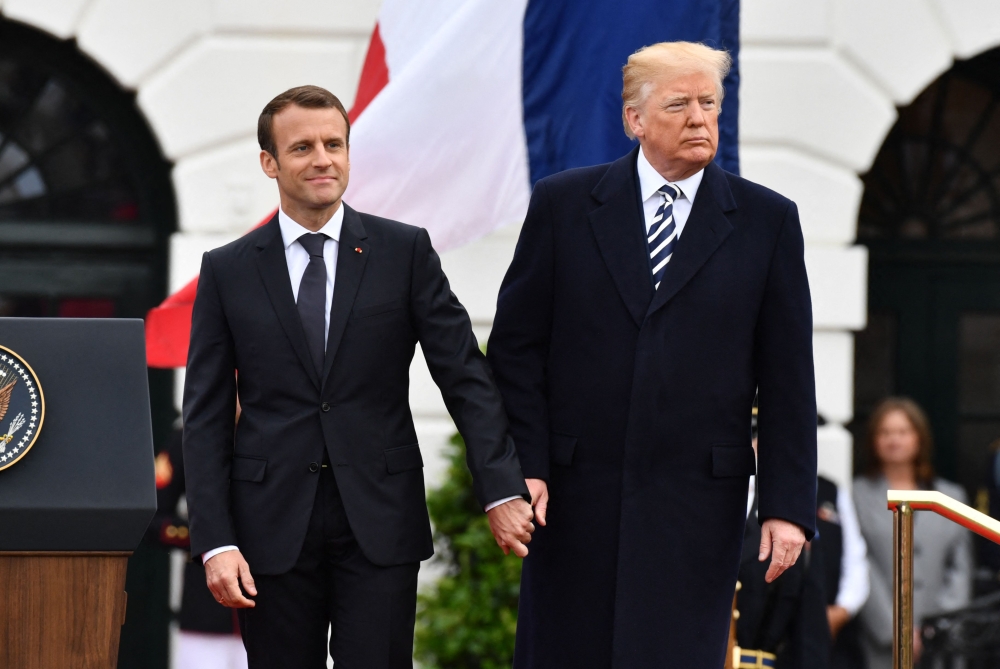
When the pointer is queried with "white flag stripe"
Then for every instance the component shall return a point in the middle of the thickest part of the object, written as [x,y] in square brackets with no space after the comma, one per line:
[442,146]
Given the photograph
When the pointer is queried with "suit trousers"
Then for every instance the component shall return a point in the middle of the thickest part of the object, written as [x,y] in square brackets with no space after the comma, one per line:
[368,610]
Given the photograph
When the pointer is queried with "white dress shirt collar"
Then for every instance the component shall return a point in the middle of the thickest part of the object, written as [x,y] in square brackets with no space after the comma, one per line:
[291,231]
[651,181]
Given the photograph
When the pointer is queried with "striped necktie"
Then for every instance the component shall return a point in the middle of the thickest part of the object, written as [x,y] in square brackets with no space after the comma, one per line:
[663,233]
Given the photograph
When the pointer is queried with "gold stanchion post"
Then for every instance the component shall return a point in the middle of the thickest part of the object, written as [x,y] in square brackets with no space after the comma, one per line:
[902,576]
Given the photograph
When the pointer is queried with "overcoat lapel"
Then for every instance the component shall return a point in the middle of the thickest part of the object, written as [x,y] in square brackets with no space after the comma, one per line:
[350,268]
[707,227]
[273,268]
[618,226]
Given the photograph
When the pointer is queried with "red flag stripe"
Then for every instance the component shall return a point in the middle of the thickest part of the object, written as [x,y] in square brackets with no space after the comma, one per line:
[374,76]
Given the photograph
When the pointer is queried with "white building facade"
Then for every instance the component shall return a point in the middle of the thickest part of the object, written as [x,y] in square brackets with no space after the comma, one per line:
[821,80]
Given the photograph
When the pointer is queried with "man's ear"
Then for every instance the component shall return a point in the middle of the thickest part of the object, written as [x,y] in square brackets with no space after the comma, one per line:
[269,164]
[634,121]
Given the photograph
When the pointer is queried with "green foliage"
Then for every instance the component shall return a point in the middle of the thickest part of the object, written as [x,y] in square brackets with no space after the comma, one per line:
[467,619]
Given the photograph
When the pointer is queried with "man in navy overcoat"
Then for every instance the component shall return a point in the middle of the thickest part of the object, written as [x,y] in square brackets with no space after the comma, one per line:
[649,300]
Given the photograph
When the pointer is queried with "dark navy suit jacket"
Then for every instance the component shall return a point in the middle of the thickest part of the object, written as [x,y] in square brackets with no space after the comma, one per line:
[257,490]
[635,406]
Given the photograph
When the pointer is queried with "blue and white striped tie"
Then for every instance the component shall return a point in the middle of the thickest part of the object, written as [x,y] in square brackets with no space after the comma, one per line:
[663,233]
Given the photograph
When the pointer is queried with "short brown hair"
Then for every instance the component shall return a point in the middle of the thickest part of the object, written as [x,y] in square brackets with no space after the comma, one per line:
[309,97]
[918,419]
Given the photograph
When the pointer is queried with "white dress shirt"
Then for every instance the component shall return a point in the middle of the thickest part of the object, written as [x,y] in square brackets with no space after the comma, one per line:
[650,181]
[852,591]
[854,585]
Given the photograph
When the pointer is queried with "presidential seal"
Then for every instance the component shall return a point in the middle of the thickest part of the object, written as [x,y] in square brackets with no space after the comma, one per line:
[22,407]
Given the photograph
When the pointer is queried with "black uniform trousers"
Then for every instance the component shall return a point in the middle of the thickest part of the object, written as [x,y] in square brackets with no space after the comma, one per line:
[371,608]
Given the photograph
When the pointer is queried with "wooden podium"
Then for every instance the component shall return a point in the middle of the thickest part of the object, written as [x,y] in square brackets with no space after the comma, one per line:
[74,507]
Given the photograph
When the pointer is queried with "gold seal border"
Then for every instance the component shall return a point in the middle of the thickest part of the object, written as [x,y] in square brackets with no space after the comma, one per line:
[41,420]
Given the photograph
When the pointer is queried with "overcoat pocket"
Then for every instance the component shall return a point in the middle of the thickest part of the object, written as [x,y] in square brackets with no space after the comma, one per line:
[561,448]
[733,460]
[403,458]
[248,468]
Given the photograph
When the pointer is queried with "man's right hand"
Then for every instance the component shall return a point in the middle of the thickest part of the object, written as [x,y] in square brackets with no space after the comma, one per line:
[511,526]
[224,573]
[539,490]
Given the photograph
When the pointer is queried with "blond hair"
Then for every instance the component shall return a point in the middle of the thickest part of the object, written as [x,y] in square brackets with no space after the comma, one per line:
[669,60]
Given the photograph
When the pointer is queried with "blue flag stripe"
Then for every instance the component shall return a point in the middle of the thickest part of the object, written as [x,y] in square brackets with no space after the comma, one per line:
[574,51]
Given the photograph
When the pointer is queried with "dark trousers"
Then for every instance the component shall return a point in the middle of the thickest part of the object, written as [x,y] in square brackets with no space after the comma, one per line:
[371,608]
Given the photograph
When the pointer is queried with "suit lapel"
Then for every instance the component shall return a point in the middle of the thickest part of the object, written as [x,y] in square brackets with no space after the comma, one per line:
[350,268]
[273,268]
[618,226]
[706,229]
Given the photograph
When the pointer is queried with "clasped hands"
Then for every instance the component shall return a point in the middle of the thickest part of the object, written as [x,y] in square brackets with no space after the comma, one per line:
[226,572]
[512,526]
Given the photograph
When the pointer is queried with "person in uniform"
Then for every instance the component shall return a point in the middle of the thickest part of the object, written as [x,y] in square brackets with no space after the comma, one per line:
[209,636]
[781,624]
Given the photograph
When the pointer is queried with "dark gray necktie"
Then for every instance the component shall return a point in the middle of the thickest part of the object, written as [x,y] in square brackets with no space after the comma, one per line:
[312,297]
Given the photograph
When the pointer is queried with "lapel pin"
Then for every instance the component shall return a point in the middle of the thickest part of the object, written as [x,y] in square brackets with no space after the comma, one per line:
[357,249]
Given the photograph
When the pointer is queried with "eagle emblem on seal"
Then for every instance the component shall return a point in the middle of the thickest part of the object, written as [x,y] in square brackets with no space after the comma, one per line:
[22,407]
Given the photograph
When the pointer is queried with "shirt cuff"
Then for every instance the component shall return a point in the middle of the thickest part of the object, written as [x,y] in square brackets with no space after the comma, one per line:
[502,501]
[208,555]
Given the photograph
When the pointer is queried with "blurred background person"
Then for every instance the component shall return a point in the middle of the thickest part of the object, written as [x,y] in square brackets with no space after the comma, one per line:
[781,624]
[209,636]
[845,569]
[899,446]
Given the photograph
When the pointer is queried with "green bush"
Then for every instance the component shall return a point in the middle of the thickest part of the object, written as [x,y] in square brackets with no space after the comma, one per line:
[467,619]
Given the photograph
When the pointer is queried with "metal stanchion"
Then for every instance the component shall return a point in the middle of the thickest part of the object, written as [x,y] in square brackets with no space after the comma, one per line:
[902,577]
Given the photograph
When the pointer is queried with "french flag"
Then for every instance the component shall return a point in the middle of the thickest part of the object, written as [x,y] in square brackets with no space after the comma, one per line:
[464,104]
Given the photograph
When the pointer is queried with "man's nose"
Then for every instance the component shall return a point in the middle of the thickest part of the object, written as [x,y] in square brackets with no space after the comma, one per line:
[696,115]
[322,159]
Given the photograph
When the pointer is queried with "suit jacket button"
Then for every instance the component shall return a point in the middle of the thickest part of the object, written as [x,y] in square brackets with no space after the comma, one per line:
[325,406]
[314,467]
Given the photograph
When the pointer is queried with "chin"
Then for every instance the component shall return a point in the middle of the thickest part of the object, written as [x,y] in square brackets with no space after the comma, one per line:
[325,197]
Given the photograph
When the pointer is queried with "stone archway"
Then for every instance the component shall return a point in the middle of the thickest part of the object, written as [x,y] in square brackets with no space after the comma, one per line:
[930,216]
[821,84]
[86,213]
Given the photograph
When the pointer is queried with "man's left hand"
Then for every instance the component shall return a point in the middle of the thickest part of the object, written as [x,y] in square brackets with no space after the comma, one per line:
[782,541]
[511,526]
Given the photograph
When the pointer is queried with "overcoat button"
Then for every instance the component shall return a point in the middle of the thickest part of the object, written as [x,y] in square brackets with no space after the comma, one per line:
[325,406]
[314,467]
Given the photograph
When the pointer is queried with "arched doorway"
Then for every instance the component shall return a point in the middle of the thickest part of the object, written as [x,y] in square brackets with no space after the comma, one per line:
[930,216]
[86,211]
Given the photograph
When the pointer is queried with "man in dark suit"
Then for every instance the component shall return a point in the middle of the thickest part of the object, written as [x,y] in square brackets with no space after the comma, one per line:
[313,319]
[648,301]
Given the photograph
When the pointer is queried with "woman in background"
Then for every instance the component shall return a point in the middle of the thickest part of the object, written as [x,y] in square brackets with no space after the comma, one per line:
[899,458]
